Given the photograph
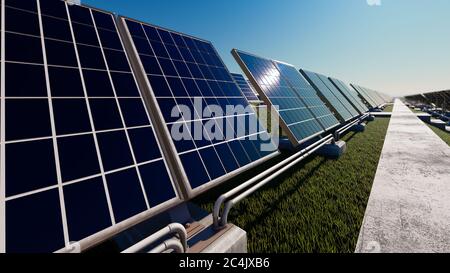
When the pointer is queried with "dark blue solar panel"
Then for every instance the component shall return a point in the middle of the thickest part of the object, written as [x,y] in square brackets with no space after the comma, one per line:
[334,102]
[299,105]
[377,96]
[309,96]
[339,95]
[183,71]
[380,97]
[351,95]
[366,96]
[245,87]
[80,151]
[372,97]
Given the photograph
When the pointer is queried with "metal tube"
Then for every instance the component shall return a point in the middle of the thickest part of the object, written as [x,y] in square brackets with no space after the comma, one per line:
[343,129]
[237,199]
[170,244]
[174,228]
[225,196]
[221,221]
[348,126]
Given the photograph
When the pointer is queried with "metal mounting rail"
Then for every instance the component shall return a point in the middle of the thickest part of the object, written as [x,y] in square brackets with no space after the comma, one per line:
[338,133]
[178,245]
[242,191]
[252,185]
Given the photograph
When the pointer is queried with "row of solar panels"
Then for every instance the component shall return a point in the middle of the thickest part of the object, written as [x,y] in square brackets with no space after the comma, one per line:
[87,100]
[440,99]
[308,104]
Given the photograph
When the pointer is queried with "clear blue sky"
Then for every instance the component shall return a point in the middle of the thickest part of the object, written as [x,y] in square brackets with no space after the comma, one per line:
[400,47]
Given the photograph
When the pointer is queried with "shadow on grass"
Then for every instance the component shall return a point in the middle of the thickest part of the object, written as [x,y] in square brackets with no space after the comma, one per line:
[316,206]
[272,206]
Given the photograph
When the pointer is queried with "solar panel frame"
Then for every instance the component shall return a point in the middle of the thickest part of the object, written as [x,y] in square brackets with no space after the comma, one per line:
[245,87]
[2,131]
[365,96]
[284,124]
[308,95]
[372,96]
[375,96]
[189,189]
[371,102]
[378,96]
[62,185]
[333,99]
[351,95]
[343,99]
[267,80]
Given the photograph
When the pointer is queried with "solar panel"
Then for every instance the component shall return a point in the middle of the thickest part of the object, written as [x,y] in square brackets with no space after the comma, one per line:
[245,87]
[309,96]
[181,71]
[377,96]
[78,149]
[339,95]
[351,95]
[329,93]
[300,109]
[366,95]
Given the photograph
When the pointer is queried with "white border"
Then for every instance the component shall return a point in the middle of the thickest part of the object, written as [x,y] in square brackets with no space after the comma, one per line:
[53,127]
[2,138]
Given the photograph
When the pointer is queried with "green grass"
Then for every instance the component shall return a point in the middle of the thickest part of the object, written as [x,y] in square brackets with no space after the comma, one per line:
[389,108]
[442,134]
[318,206]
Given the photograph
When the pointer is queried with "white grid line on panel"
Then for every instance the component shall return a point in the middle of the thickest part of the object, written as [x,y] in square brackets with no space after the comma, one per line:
[64,66]
[174,187]
[53,127]
[97,147]
[123,121]
[77,134]
[207,82]
[2,138]
[223,142]
[80,180]
[195,145]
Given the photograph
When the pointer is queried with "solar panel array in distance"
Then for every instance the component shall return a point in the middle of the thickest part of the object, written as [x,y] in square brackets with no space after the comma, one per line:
[339,95]
[308,95]
[245,87]
[79,149]
[372,103]
[375,96]
[180,69]
[295,118]
[334,98]
[351,95]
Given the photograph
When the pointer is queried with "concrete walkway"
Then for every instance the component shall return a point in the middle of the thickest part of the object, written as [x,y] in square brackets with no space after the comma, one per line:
[409,206]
